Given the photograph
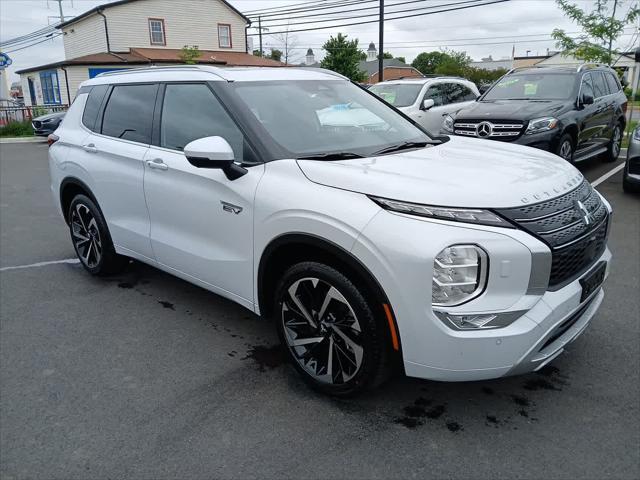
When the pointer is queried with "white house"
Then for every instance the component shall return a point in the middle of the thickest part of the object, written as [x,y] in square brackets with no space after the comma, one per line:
[134,33]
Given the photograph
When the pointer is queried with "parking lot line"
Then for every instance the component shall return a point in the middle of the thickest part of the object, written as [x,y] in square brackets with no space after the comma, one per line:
[40,264]
[610,173]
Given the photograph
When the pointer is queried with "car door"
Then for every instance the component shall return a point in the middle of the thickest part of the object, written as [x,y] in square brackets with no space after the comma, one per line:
[605,104]
[431,119]
[116,150]
[455,97]
[201,222]
[589,120]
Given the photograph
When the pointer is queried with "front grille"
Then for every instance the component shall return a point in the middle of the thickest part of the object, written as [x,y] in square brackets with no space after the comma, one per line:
[634,165]
[37,124]
[495,129]
[574,225]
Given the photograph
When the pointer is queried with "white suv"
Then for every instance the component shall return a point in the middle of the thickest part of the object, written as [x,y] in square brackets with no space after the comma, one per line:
[427,100]
[308,200]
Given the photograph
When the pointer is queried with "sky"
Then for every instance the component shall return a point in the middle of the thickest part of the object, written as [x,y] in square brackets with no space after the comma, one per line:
[482,31]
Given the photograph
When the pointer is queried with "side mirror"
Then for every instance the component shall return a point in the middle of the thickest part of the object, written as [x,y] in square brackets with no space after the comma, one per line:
[214,152]
[428,103]
[586,99]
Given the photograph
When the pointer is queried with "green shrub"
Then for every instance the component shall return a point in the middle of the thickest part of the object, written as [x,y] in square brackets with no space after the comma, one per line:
[16,129]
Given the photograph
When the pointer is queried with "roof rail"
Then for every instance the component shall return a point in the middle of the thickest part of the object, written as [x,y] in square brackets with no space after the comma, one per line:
[327,71]
[154,68]
[591,65]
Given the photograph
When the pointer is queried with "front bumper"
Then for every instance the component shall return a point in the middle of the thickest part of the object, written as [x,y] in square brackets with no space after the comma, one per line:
[548,141]
[431,349]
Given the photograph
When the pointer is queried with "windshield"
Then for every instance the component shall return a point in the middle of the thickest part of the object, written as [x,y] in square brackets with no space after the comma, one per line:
[397,94]
[532,86]
[308,117]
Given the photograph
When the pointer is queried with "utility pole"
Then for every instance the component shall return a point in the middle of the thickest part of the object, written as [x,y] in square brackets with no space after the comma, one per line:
[381,44]
[613,17]
[260,35]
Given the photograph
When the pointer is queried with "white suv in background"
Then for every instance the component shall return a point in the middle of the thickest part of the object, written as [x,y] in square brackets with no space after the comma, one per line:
[308,200]
[428,99]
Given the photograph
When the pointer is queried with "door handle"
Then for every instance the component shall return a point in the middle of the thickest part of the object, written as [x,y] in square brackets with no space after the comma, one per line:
[90,148]
[157,164]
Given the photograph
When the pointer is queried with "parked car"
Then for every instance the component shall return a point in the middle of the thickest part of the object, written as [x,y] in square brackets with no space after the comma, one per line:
[631,178]
[46,124]
[370,244]
[427,99]
[576,113]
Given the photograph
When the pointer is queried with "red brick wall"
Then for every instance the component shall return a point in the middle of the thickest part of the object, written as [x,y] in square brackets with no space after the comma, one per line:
[393,73]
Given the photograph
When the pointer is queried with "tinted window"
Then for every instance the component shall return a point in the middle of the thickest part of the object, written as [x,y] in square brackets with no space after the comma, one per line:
[398,94]
[613,82]
[459,93]
[192,111]
[92,107]
[599,85]
[437,93]
[129,112]
[587,86]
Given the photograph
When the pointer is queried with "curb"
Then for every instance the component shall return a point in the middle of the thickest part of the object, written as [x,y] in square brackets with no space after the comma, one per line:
[23,140]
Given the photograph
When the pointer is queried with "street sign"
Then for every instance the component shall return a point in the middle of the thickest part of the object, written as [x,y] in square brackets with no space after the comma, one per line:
[5,61]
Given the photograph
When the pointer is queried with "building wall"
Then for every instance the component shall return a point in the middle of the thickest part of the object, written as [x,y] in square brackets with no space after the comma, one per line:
[393,73]
[187,22]
[85,37]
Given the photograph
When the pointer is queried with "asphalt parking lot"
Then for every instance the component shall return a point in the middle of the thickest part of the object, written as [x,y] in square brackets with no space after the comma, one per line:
[146,376]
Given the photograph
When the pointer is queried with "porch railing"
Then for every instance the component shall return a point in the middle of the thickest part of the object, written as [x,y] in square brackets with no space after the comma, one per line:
[22,114]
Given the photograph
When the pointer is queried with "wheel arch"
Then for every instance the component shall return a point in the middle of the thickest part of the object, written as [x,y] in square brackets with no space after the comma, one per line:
[572,129]
[69,188]
[291,248]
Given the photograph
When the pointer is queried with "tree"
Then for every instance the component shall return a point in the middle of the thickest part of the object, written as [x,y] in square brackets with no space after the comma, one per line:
[402,59]
[483,76]
[257,53]
[288,44]
[189,54]
[386,56]
[343,57]
[275,54]
[427,62]
[453,63]
[601,30]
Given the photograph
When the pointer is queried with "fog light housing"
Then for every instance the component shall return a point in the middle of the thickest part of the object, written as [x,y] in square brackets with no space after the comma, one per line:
[478,321]
[459,275]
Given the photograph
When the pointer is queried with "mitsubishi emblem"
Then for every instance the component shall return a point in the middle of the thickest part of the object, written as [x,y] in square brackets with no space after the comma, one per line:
[484,129]
[583,213]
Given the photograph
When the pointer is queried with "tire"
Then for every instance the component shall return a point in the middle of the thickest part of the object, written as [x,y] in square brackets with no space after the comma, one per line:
[566,148]
[628,186]
[613,148]
[346,350]
[91,238]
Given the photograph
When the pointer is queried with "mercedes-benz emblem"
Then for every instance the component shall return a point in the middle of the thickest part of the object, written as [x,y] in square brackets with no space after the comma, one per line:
[585,215]
[484,130]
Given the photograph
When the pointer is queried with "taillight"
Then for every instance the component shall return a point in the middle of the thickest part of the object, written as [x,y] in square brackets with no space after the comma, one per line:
[51,139]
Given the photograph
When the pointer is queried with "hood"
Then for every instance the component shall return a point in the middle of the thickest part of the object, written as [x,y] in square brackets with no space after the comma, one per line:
[511,110]
[50,116]
[462,172]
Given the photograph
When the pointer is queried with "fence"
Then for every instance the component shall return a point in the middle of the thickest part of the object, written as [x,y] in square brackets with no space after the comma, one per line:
[22,114]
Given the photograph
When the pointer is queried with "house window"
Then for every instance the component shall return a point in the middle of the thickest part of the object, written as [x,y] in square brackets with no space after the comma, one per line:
[224,35]
[156,31]
[50,87]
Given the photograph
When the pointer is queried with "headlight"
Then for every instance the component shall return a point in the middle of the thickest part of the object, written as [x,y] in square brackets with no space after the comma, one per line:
[447,123]
[459,275]
[541,125]
[636,134]
[468,215]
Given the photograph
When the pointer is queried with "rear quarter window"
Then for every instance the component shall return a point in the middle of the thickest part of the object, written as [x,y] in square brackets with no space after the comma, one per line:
[92,107]
[614,86]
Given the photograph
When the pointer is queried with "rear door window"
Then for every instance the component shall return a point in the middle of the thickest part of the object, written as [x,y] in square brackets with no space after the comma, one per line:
[459,93]
[92,107]
[587,86]
[129,112]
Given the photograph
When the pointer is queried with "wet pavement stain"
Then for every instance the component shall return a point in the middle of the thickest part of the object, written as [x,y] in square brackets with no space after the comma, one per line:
[454,427]
[408,422]
[126,285]
[415,411]
[491,420]
[436,412]
[488,391]
[266,356]
[539,384]
[166,304]
[520,400]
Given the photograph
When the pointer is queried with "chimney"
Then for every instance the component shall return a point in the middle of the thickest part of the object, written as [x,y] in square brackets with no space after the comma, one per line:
[372,53]
[311,59]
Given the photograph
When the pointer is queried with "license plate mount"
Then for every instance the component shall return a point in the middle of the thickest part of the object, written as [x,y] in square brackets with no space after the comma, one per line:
[592,281]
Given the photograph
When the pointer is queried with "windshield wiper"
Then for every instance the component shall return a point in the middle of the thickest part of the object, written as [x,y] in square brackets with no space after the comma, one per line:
[331,156]
[401,146]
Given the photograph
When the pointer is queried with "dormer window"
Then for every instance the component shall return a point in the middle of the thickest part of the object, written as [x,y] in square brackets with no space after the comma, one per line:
[156,31]
[224,35]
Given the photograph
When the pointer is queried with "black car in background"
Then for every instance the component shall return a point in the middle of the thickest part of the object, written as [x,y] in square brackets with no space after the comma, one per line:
[46,124]
[575,112]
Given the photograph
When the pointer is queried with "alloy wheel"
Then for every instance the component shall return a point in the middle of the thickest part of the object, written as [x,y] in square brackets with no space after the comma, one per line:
[322,331]
[566,150]
[86,236]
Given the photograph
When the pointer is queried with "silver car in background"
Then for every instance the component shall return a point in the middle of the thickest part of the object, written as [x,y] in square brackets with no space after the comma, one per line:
[428,99]
[631,178]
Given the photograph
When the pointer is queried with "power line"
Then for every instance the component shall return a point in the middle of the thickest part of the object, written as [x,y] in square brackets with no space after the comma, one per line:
[283,6]
[28,36]
[36,43]
[376,13]
[311,8]
[389,19]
